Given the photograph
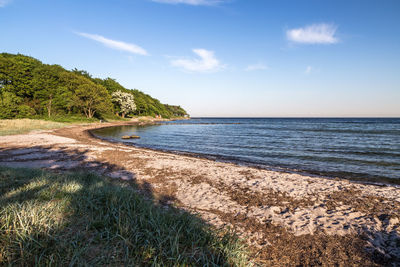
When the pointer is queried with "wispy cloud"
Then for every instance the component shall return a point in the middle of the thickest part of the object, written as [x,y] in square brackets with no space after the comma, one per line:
[119,45]
[207,62]
[308,70]
[192,2]
[314,34]
[3,3]
[254,67]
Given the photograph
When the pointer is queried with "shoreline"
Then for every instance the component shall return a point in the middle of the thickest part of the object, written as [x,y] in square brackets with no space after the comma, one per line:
[281,215]
[377,181]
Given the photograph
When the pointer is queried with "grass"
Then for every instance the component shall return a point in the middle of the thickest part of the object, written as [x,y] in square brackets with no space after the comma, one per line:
[83,119]
[80,219]
[20,126]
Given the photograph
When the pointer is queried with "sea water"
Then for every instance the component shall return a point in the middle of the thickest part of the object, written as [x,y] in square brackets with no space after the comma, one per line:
[355,148]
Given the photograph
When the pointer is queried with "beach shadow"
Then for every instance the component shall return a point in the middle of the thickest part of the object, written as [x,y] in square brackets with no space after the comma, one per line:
[63,213]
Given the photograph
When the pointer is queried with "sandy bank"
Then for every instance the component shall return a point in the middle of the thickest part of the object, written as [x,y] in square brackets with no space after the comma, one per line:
[284,216]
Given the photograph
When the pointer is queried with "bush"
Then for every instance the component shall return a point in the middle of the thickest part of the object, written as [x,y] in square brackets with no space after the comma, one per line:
[25,111]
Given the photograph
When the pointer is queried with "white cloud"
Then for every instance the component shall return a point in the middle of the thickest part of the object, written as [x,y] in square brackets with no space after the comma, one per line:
[119,45]
[308,70]
[259,66]
[314,34]
[205,63]
[191,2]
[3,3]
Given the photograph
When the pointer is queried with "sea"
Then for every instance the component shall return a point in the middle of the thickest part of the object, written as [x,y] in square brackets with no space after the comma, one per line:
[365,149]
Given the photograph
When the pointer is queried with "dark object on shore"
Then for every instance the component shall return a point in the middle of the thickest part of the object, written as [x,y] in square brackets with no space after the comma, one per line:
[130,137]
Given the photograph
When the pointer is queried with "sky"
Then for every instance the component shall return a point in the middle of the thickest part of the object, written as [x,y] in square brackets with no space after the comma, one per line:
[225,58]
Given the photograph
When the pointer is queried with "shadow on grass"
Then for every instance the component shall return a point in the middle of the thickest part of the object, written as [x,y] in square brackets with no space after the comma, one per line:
[79,218]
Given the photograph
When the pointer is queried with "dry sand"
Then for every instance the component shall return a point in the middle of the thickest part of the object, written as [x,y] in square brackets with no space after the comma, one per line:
[286,218]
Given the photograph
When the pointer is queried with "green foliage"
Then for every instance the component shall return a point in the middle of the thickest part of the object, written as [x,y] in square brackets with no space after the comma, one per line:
[29,88]
[111,84]
[146,105]
[149,106]
[47,85]
[177,111]
[17,72]
[92,98]
[25,111]
[9,105]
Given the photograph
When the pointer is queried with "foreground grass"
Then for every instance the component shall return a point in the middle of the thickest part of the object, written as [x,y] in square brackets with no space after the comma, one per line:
[80,219]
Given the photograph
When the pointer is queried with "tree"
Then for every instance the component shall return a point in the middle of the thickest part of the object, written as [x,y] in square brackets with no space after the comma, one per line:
[5,79]
[28,87]
[47,83]
[111,85]
[20,74]
[176,111]
[92,98]
[64,100]
[9,105]
[83,73]
[124,101]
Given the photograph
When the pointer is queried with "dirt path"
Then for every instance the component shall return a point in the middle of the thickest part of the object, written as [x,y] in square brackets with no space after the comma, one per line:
[288,219]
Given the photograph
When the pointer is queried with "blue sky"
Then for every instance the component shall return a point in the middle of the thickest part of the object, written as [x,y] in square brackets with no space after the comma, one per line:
[224,57]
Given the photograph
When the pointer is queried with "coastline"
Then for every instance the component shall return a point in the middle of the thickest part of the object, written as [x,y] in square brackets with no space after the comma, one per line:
[268,208]
[368,180]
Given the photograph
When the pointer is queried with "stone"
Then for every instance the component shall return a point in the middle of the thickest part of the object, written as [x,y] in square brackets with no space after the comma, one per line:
[130,137]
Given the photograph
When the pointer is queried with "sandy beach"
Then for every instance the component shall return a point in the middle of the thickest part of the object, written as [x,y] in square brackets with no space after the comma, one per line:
[286,218]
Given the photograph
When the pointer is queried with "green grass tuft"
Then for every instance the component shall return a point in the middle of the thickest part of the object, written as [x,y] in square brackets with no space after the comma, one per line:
[82,219]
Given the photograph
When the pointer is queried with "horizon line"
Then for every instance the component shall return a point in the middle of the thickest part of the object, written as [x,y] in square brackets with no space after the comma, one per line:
[300,117]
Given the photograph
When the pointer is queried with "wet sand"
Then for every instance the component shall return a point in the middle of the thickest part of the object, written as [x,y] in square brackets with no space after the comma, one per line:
[286,218]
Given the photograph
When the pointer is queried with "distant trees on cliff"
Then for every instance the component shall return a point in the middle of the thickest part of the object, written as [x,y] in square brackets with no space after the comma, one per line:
[29,88]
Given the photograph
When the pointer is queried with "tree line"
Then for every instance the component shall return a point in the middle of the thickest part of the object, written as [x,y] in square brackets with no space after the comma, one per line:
[31,89]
